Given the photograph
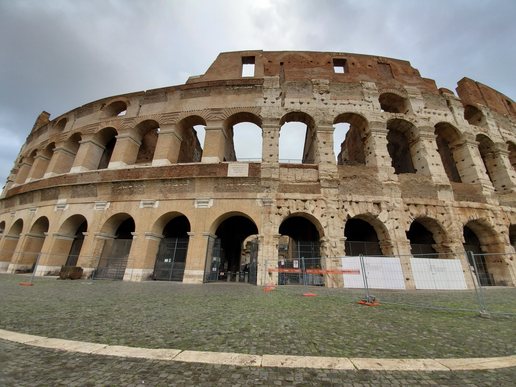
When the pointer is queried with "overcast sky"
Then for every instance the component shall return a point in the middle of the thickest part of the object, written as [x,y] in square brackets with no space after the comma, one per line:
[59,54]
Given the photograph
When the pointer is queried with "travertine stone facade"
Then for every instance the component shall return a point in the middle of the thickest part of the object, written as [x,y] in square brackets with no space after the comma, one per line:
[111,185]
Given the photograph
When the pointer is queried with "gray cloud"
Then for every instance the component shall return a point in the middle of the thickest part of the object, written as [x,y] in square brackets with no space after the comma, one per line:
[59,54]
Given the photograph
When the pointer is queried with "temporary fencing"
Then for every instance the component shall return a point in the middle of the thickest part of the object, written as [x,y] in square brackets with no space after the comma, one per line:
[451,282]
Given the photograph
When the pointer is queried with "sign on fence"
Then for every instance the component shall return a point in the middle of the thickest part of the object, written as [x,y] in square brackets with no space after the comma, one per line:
[443,274]
[381,272]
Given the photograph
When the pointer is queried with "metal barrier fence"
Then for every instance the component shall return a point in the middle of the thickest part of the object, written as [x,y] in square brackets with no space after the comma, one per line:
[472,282]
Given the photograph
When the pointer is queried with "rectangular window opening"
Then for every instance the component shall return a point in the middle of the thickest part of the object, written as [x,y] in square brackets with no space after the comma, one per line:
[339,66]
[248,66]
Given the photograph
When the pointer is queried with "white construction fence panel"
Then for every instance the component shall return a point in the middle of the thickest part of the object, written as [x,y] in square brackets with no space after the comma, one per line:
[382,273]
[438,274]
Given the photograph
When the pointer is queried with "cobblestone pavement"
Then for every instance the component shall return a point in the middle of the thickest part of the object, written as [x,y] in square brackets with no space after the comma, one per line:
[30,366]
[242,318]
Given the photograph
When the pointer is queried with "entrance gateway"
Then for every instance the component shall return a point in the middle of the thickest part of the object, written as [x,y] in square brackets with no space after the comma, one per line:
[232,253]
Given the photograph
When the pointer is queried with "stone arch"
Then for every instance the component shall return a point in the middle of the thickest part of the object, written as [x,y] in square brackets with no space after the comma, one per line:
[229,231]
[400,137]
[427,237]
[148,136]
[393,103]
[9,244]
[447,136]
[481,239]
[191,150]
[106,138]
[474,116]
[2,227]
[41,162]
[115,109]
[68,240]
[246,128]
[59,125]
[170,257]
[115,245]
[367,235]
[352,146]
[32,244]
[487,150]
[303,121]
[511,147]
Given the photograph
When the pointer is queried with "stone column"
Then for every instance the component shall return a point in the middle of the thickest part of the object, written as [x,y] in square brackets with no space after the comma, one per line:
[168,146]
[125,152]
[30,248]
[503,174]
[270,149]
[196,257]
[62,160]
[54,254]
[325,156]
[23,170]
[88,156]
[214,143]
[376,152]
[91,249]
[427,160]
[39,166]
[470,165]
[7,251]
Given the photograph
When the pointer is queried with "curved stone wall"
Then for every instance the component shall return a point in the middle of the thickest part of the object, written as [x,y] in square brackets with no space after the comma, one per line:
[112,185]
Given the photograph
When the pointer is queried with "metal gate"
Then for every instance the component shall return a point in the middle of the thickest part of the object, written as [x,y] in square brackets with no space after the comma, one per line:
[171,259]
[214,255]
[253,262]
[301,264]
[113,259]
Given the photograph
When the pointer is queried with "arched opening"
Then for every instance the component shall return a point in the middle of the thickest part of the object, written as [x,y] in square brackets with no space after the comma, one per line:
[227,248]
[446,135]
[33,243]
[398,146]
[474,116]
[361,238]
[173,248]
[148,131]
[106,138]
[245,137]
[192,132]
[512,153]
[115,109]
[393,103]
[348,139]
[512,235]
[60,125]
[297,141]
[116,249]
[10,241]
[486,149]
[299,250]
[486,246]
[421,240]
[2,228]
[41,162]
[78,240]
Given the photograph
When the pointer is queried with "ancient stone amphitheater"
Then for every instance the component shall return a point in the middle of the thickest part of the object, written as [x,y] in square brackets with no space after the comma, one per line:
[123,188]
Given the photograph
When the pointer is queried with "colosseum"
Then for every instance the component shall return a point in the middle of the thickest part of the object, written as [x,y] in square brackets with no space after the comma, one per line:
[124,187]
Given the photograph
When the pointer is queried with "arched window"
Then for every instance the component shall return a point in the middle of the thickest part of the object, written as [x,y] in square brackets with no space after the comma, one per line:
[348,139]
[446,135]
[393,103]
[297,138]
[148,131]
[398,146]
[474,116]
[115,109]
[192,132]
[244,134]
[106,138]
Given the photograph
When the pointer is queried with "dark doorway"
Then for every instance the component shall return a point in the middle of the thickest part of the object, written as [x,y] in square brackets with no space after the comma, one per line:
[472,243]
[421,241]
[226,249]
[299,252]
[75,249]
[361,238]
[173,248]
[115,253]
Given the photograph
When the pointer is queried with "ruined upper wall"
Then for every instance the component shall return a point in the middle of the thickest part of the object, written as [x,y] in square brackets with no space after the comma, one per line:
[475,93]
[306,65]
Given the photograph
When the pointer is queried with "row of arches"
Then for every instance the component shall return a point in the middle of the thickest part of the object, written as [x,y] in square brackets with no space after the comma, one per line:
[297,134]
[232,244]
